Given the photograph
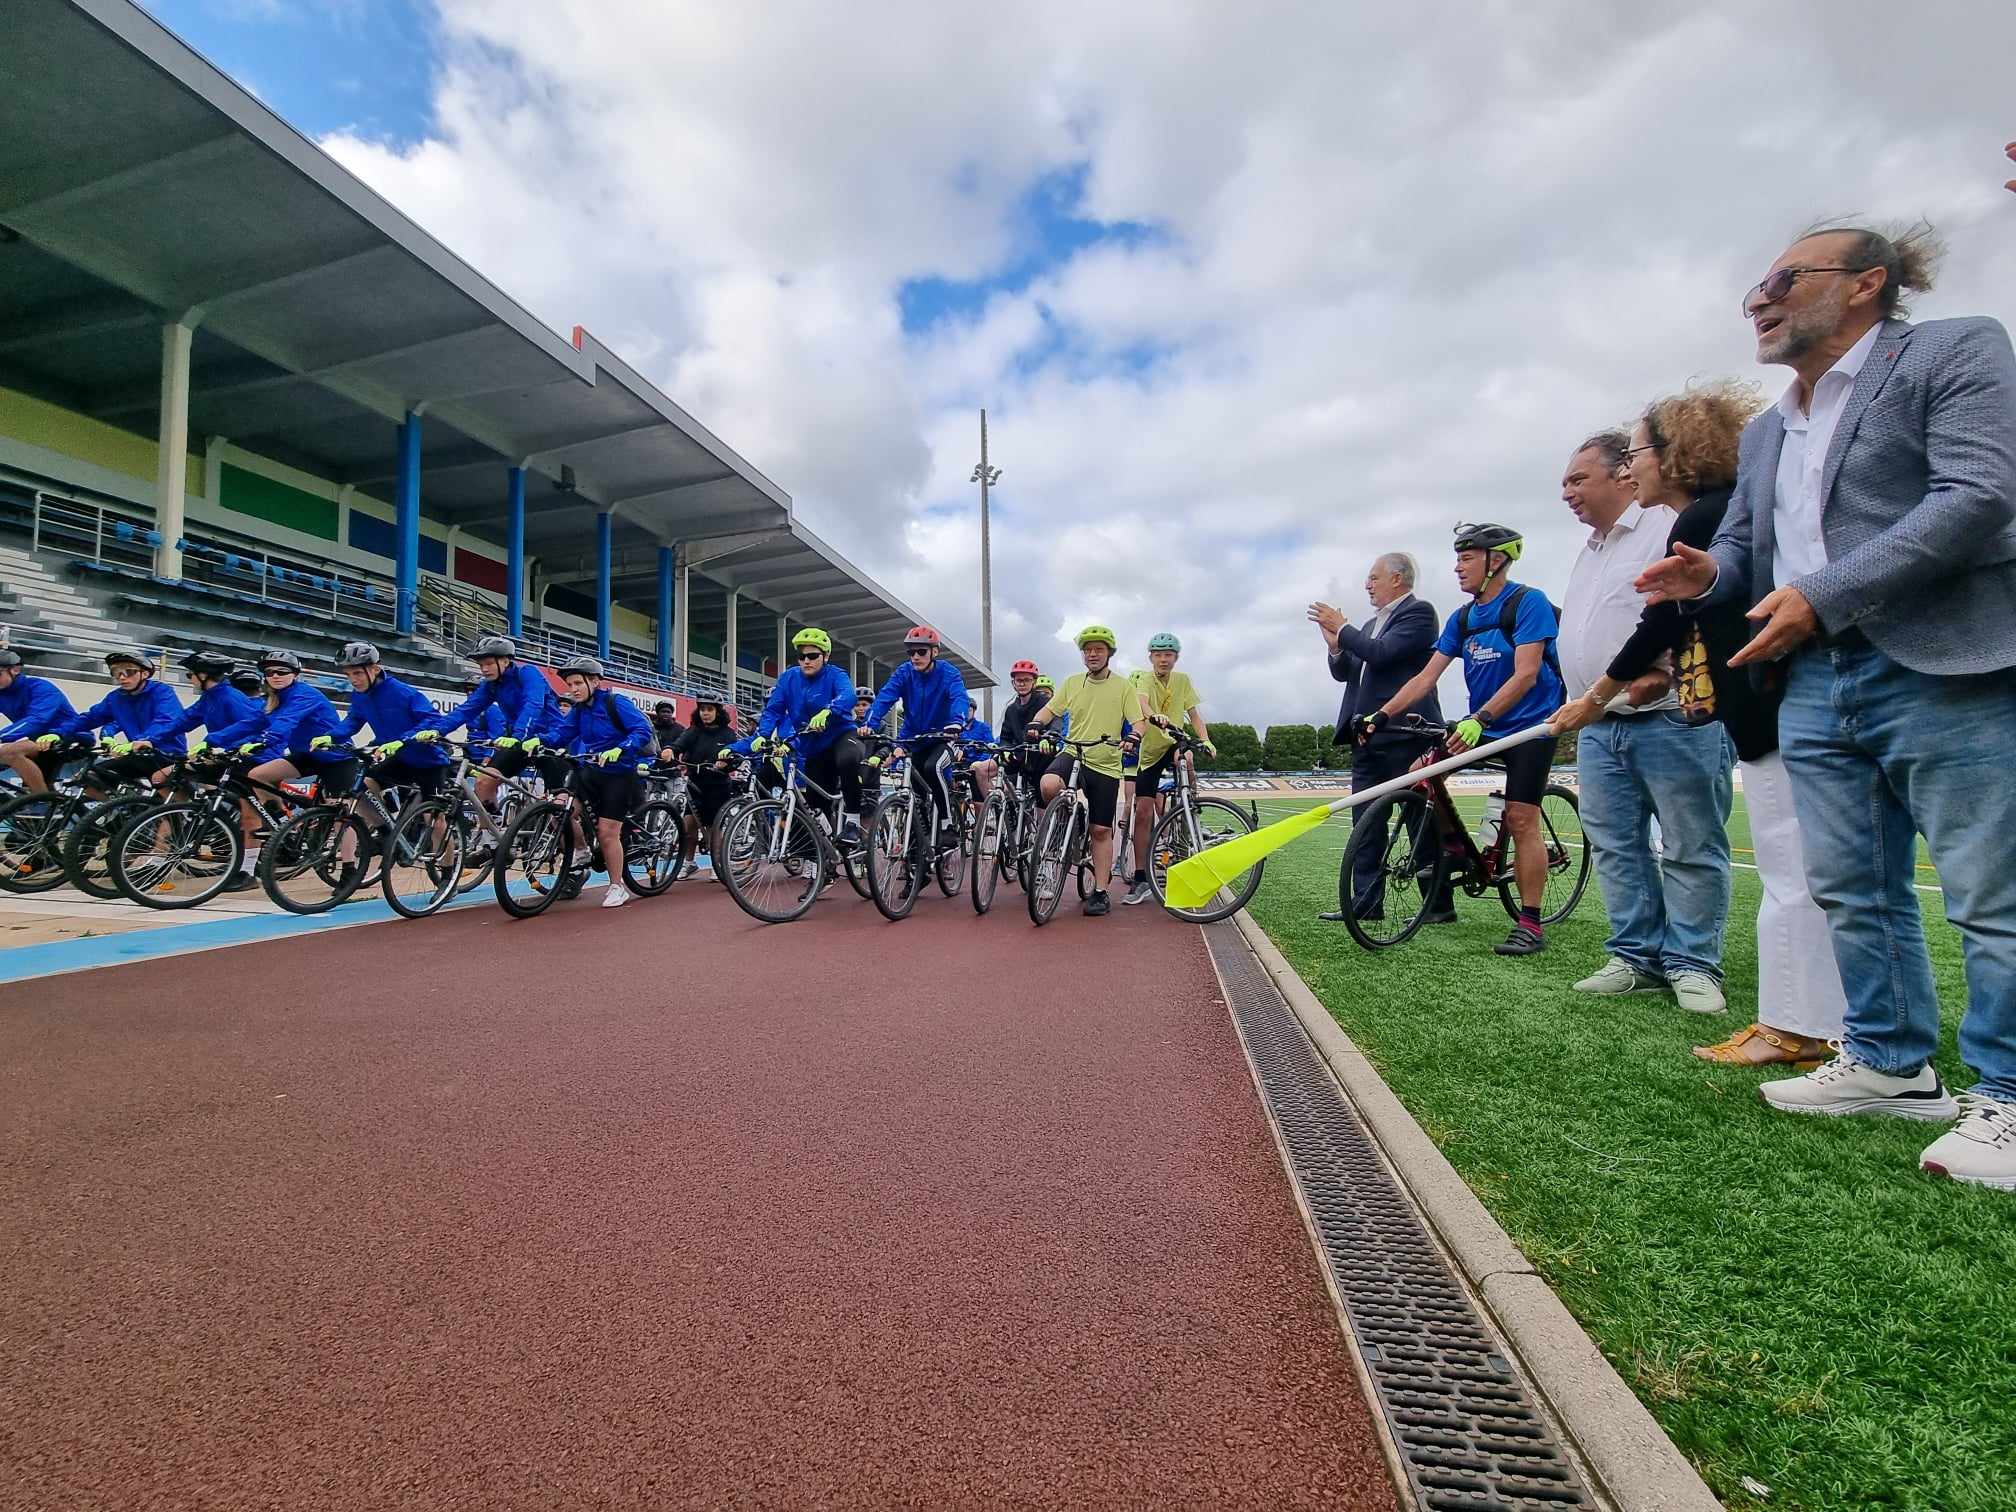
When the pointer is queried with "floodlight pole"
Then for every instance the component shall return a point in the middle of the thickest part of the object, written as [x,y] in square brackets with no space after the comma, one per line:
[986,476]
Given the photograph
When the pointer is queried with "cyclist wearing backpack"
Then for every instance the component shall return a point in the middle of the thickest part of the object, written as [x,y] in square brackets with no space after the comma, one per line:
[933,695]
[521,691]
[1505,637]
[608,735]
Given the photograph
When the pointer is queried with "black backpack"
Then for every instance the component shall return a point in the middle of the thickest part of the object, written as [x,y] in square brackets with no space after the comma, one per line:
[1508,616]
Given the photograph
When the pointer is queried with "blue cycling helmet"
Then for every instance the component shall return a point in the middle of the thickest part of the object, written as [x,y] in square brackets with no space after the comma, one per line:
[1164,642]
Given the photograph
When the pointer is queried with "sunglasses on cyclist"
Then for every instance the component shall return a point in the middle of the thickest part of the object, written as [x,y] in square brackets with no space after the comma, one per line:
[920,650]
[1775,286]
[808,654]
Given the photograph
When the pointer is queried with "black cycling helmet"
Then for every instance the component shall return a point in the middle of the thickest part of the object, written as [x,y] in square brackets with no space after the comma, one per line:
[209,663]
[285,659]
[248,680]
[9,658]
[580,666]
[495,645]
[1499,538]
[357,654]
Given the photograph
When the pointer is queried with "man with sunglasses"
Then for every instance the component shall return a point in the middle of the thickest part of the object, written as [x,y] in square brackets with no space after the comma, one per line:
[814,701]
[935,706]
[1873,526]
[32,707]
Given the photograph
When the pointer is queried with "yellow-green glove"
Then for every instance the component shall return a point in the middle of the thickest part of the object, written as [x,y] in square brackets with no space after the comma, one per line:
[198,747]
[530,742]
[46,741]
[507,743]
[390,749]
[118,745]
[250,748]
[873,761]
[818,721]
[610,755]
[321,742]
[427,737]
[760,744]
[1470,732]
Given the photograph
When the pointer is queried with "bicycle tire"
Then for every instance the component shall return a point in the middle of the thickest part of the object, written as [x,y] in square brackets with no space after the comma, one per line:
[425,857]
[774,870]
[1568,858]
[987,864]
[1217,821]
[1401,826]
[33,828]
[948,868]
[1052,856]
[537,848]
[87,860]
[180,855]
[894,879]
[302,867]
[651,868]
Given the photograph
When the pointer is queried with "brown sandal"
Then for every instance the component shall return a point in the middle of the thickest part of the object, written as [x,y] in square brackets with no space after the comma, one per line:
[1758,1046]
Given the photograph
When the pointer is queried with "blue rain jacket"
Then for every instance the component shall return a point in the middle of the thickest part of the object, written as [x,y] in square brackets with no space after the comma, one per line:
[606,720]
[796,698]
[33,706]
[978,733]
[151,712]
[931,701]
[483,732]
[394,710]
[521,691]
[217,707]
[302,714]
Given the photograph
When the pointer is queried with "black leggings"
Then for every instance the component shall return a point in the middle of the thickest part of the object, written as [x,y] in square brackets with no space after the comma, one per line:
[710,789]
[928,760]
[840,765]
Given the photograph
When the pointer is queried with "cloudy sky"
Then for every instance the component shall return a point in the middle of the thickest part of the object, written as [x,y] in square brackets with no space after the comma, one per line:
[1249,293]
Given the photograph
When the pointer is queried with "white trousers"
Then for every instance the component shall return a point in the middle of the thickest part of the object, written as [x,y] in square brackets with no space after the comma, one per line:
[1798,984]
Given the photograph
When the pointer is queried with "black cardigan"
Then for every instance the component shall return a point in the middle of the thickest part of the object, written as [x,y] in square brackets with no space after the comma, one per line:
[1749,712]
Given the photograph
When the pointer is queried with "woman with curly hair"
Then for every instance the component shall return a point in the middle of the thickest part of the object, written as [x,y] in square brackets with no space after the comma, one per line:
[1683,454]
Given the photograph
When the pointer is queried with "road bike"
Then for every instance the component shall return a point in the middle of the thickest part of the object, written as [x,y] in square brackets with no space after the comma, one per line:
[1192,824]
[550,849]
[1423,848]
[776,850]
[909,841]
[1063,843]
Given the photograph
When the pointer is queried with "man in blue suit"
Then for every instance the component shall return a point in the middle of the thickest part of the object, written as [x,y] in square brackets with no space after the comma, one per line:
[1374,661]
[1873,529]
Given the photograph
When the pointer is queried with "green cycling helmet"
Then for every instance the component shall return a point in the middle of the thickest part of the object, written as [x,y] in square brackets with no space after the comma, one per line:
[1098,633]
[1164,642]
[1046,682]
[813,636]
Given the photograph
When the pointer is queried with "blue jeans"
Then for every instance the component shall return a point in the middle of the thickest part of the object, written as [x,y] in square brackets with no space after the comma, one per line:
[1878,755]
[1666,914]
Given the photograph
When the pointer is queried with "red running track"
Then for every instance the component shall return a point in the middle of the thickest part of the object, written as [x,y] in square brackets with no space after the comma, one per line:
[659,1208]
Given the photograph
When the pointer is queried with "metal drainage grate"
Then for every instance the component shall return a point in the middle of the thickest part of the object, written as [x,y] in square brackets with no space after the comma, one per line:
[1468,1431]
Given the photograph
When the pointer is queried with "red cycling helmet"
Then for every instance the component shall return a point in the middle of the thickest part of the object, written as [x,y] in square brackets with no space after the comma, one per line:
[1023,666]
[920,635]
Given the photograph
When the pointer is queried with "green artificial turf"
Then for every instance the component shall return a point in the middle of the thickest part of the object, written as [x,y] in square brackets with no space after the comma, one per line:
[1791,1297]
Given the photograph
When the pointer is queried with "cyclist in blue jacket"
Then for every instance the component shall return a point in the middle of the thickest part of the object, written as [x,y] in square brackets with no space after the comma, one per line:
[520,690]
[394,710]
[140,716]
[279,742]
[609,736]
[814,701]
[32,707]
[934,712]
[482,732]
[973,744]
[218,705]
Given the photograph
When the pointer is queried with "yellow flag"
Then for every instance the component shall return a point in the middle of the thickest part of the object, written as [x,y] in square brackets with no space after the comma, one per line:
[1192,883]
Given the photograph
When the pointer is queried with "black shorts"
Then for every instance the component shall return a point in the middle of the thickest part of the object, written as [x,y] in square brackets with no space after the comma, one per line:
[1527,769]
[1102,793]
[335,774]
[136,767]
[1148,779]
[611,791]
[399,772]
[512,760]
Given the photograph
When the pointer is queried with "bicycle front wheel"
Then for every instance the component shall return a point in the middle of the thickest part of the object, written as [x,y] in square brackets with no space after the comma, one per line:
[773,867]
[655,848]
[87,848]
[1056,846]
[425,858]
[895,872]
[316,860]
[987,851]
[1393,870]
[535,858]
[949,866]
[32,831]
[1568,859]
[1183,833]
[178,856]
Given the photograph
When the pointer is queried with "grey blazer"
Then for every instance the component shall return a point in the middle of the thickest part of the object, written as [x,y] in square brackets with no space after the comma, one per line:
[1918,502]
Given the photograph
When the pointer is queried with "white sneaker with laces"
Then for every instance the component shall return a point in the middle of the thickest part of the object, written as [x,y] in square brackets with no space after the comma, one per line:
[616,896]
[1697,992]
[1845,1086]
[1619,978]
[1981,1148]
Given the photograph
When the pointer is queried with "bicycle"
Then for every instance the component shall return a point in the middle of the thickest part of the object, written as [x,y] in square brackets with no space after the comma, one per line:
[1005,834]
[902,851]
[536,863]
[447,845]
[87,848]
[1424,848]
[182,855]
[1193,824]
[777,853]
[325,851]
[1063,845]
[35,826]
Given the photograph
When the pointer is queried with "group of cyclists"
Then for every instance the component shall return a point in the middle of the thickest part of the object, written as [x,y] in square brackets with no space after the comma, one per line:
[270,725]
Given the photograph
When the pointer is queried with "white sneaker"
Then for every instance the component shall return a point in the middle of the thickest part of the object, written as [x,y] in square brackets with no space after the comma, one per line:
[1697,992]
[616,896]
[1981,1149]
[1619,979]
[1844,1086]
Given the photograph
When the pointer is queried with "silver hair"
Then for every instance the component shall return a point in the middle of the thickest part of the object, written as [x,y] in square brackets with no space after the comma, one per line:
[1610,447]
[1401,565]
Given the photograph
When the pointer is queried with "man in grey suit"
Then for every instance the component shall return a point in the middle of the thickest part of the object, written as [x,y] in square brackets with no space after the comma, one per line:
[1874,521]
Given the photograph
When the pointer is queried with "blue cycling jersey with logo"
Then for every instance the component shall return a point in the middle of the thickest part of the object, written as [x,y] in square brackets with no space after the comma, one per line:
[1488,659]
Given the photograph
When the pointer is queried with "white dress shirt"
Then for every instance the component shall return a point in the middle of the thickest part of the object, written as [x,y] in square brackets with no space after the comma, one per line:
[1376,626]
[1798,547]
[1603,608]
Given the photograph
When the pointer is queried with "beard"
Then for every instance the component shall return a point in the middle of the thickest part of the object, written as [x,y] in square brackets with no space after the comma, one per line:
[1801,333]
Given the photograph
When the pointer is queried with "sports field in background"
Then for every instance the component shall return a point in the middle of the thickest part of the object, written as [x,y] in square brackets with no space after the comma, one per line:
[1791,1297]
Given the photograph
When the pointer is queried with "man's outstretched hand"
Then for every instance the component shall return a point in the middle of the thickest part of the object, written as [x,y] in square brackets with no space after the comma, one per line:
[1687,574]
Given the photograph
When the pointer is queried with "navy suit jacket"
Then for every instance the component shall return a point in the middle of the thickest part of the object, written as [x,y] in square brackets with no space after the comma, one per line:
[1373,670]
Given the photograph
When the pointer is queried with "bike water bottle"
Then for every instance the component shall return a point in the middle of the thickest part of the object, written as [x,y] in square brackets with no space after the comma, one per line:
[1494,811]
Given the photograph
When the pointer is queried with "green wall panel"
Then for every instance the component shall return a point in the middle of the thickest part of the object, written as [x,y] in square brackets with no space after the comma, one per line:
[250,493]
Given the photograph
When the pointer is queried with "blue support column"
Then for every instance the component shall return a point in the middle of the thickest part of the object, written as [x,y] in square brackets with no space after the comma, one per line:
[406,528]
[665,561]
[514,595]
[603,529]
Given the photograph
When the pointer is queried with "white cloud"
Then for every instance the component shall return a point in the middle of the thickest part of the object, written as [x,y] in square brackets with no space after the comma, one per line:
[1398,268]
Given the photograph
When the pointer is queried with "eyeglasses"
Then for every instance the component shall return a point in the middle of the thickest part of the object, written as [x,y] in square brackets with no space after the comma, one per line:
[1632,451]
[810,655]
[1775,286]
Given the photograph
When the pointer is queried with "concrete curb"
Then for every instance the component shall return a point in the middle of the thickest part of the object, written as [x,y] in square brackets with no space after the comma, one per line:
[1634,1464]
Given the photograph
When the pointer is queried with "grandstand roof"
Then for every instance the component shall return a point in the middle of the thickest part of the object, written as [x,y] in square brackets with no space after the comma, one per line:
[324,315]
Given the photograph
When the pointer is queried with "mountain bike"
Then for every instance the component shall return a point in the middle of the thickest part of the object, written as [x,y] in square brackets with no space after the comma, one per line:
[1424,848]
[1005,833]
[182,855]
[34,827]
[777,851]
[329,848]
[447,845]
[1063,843]
[87,847]
[908,841]
[548,852]
[1192,824]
